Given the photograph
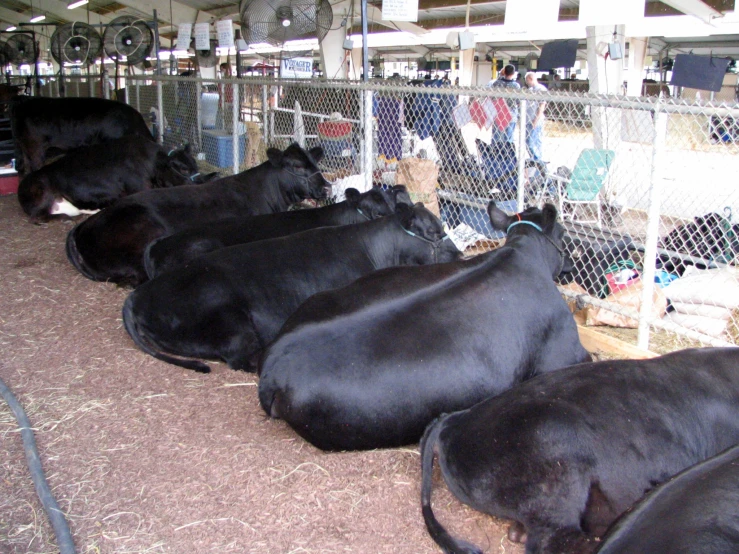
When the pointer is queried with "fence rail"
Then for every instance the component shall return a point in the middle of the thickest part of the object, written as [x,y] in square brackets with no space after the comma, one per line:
[644,185]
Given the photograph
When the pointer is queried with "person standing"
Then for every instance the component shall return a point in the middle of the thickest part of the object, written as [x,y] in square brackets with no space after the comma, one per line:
[534,118]
[507,79]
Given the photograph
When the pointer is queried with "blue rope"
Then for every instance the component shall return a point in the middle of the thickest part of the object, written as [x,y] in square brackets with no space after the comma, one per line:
[56,516]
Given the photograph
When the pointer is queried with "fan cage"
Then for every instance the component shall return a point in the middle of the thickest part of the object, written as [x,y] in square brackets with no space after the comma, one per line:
[22,49]
[128,39]
[76,43]
[279,21]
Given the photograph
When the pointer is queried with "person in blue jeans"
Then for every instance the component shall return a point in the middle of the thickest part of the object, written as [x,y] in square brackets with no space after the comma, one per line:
[507,79]
[534,118]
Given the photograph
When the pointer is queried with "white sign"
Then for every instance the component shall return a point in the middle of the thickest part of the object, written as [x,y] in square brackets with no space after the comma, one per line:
[225,32]
[297,68]
[521,15]
[184,32]
[400,10]
[202,36]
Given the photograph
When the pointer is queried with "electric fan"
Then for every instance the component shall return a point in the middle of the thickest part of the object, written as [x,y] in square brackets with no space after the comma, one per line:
[277,21]
[22,49]
[4,54]
[128,39]
[76,43]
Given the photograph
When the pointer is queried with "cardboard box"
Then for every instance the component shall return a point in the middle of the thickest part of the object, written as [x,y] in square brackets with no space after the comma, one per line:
[218,147]
[8,183]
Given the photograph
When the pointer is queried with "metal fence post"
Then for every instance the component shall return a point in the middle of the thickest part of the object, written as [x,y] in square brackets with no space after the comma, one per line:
[160,115]
[367,148]
[138,95]
[126,92]
[236,104]
[265,127]
[521,199]
[199,113]
[653,220]
[106,85]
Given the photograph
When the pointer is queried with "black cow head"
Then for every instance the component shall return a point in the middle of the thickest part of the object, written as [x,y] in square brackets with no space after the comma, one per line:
[377,202]
[182,162]
[434,245]
[300,176]
[534,220]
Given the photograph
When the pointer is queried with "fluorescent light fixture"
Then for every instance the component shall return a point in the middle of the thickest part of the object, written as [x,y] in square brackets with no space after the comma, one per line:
[76,4]
[11,28]
[37,18]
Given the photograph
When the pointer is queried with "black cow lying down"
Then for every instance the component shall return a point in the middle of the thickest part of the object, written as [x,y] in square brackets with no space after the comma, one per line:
[230,303]
[41,125]
[93,177]
[109,246]
[372,364]
[565,453]
[181,248]
[695,512]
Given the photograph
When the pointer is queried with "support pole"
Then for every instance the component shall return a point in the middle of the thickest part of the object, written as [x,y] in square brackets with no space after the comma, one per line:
[521,136]
[236,104]
[265,127]
[156,42]
[160,115]
[653,219]
[367,149]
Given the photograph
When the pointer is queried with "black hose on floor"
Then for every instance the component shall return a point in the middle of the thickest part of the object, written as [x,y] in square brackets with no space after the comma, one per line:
[58,521]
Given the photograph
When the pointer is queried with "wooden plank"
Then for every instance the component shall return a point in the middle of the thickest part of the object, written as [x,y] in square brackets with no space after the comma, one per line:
[593,341]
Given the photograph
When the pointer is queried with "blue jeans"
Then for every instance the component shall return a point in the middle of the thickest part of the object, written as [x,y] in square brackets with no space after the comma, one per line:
[534,141]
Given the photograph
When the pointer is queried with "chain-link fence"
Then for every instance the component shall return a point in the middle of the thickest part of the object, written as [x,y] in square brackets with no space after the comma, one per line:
[643,185]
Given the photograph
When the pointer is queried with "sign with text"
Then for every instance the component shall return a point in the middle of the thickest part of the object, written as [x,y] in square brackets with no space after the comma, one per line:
[202,36]
[225,32]
[297,68]
[400,10]
[184,33]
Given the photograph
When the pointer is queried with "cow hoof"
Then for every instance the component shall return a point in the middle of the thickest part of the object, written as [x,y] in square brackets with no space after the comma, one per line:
[516,532]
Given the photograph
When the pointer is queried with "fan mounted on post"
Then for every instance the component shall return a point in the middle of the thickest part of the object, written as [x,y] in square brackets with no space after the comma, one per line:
[278,21]
[76,43]
[127,39]
[4,55]
[22,49]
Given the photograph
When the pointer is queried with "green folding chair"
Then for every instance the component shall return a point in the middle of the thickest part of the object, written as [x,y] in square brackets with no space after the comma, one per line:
[584,185]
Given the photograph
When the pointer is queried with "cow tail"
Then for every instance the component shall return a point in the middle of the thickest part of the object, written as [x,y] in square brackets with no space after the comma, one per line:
[448,544]
[73,254]
[129,322]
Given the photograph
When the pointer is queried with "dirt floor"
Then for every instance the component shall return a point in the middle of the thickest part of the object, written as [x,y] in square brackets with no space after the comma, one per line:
[147,457]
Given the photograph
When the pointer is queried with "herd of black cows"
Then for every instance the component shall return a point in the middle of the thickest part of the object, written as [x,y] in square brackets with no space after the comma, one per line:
[368,330]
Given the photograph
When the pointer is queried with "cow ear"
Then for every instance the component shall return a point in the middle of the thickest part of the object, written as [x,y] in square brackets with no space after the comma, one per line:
[352,197]
[275,156]
[498,218]
[549,215]
[400,192]
[187,149]
[316,153]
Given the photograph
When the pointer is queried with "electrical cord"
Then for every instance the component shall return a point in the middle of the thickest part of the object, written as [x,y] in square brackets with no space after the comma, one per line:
[56,516]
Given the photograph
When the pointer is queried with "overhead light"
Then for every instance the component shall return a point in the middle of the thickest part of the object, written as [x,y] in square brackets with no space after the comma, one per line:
[11,28]
[285,22]
[37,18]
[76,4]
